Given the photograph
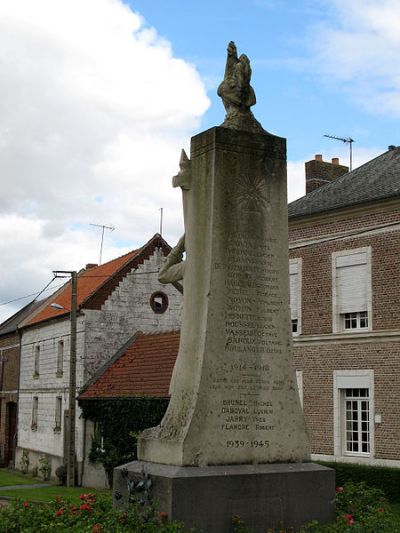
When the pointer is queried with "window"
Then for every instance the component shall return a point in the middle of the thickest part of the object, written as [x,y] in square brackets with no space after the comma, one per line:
[159,302]
[60,358]
[356,419]
[353,408]
[35,408]
[36,361]
[295,294]
[58,413]
[352,290]
[355,320]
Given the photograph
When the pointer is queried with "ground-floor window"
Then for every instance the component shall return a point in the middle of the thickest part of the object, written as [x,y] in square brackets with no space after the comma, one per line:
[353,413]
[357,421]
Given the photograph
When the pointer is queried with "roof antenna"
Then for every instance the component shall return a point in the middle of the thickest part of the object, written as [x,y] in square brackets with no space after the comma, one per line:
[348,141]
[103,227]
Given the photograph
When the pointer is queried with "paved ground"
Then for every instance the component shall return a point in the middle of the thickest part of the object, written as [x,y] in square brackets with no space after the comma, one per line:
[32,486]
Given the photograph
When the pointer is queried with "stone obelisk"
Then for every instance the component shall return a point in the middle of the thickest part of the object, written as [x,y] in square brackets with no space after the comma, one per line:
[233,440]
[234,397]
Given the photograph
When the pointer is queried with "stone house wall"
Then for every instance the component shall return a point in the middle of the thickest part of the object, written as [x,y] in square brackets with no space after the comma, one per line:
[100,333]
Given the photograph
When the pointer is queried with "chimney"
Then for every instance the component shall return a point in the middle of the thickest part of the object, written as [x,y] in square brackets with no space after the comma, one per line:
[91,265]
[320,172]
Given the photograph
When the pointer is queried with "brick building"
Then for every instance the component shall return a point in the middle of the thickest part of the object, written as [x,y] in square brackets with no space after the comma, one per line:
[114,300]
[344,247]
[9,377]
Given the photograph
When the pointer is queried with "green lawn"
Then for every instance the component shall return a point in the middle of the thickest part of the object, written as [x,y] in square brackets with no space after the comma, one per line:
[70,494]
[10,477]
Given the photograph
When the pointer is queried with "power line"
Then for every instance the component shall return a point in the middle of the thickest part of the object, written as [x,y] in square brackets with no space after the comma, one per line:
[36,294]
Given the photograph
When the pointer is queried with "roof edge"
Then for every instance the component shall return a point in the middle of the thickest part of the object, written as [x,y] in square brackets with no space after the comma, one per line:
[101,370]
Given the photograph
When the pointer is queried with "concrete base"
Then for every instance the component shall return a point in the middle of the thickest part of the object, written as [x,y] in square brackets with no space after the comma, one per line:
[263,496]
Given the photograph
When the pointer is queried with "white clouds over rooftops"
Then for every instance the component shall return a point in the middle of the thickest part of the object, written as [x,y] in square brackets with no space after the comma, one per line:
[360,46]
[94,110]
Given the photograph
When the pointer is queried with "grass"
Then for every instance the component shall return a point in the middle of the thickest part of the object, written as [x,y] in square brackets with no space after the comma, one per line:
[46,494]
[10,477]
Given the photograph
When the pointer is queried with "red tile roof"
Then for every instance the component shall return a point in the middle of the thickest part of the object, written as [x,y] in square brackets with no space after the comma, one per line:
[142,367]
[97,283]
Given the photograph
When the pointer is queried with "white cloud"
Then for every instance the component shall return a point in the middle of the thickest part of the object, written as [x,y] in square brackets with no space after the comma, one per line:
[94,110]
[360,46]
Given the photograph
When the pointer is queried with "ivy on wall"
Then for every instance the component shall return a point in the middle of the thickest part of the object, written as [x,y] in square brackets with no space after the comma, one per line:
[118,423]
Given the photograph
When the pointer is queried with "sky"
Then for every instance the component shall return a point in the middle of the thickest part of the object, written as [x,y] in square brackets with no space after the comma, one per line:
[98,97]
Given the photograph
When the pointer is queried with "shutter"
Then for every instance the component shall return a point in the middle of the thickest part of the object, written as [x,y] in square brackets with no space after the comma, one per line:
[352,283]
[294,284]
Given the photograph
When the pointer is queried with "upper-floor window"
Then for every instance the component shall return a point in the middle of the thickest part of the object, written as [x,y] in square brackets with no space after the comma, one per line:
[352,290]
[36,361]
[60,358]
[295,294]
[35,409]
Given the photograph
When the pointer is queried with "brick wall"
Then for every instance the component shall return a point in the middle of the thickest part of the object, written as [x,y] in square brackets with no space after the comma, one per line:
[319,351]
[9,375]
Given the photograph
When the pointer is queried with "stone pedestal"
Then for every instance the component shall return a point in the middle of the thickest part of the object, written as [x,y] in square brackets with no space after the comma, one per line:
[263,496]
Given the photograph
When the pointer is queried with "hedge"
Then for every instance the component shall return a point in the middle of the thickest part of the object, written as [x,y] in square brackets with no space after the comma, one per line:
[384,478]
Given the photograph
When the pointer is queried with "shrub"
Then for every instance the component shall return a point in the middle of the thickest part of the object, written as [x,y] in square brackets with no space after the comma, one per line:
[44,467]
[90,514]
[119,422]
[61,473]
[384,478]
[24,461]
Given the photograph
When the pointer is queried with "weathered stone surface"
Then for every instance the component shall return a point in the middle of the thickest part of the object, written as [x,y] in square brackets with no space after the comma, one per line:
[264,496]
[234,392]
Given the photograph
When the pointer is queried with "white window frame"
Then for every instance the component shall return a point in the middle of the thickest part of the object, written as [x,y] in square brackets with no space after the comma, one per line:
[351,379]
[298,264]
[337,318]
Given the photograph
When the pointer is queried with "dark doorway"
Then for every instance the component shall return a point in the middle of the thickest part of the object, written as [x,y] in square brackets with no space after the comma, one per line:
[11,436]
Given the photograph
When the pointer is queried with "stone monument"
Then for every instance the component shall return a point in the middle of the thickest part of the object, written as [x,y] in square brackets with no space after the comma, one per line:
[233,440]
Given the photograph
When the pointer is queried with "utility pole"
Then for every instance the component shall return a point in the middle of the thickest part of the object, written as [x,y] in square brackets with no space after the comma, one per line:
[71,452]
[161,219]
[103,227]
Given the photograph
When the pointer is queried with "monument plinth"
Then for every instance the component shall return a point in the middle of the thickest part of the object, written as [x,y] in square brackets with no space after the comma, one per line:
[234,397]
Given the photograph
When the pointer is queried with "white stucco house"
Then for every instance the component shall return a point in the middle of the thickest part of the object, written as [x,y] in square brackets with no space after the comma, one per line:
[114,300]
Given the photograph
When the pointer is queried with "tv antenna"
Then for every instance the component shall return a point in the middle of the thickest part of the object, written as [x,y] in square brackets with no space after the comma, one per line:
[348,141]
[103,227]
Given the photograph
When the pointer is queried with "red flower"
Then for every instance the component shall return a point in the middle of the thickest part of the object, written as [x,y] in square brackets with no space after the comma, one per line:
[85,507]
[97,528]
[59,512]
[381,510]
[26,504]
[349,519]
[163,517]
[339,489]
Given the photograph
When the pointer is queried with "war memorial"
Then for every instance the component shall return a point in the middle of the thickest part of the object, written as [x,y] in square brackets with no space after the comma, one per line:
[233,441]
